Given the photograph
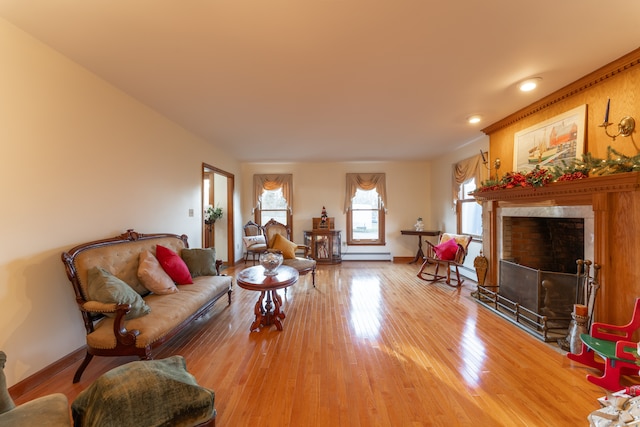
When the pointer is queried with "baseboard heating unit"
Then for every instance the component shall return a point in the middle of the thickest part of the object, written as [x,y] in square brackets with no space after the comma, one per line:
[366,256]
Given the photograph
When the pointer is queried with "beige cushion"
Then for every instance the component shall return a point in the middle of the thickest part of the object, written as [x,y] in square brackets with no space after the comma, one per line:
[121,260]
[303,265]
[250,241]
[50,411]
[167,311]
[153,277]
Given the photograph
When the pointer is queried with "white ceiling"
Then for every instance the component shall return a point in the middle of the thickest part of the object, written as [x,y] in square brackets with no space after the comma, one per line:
[333,80]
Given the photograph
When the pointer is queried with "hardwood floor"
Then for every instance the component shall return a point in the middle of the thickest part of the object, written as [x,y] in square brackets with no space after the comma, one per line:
[371,345]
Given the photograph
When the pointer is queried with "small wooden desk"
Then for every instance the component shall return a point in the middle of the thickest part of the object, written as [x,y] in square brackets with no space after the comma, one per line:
[253,279]
[420,234]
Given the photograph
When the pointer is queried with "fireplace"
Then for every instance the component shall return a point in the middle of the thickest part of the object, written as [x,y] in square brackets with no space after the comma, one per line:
[610,207]
[538,269]
[546,237]
[539,280]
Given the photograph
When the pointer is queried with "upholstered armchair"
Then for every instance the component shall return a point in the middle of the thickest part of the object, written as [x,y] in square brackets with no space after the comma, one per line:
[254,241]
[51,410]
[449,253]
[278,236]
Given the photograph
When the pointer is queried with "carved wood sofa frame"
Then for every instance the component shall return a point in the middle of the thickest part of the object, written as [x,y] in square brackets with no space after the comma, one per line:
[126,339]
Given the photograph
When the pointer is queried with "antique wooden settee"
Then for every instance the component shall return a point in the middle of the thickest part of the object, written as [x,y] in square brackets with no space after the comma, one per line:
[110,331]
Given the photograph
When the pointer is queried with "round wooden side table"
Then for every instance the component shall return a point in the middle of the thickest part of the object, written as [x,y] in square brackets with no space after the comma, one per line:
[267,311]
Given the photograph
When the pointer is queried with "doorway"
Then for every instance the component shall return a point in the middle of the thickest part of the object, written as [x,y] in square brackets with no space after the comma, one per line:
[217,191]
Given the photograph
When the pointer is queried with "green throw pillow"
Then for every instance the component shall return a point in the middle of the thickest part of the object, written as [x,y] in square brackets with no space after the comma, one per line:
[104,287]
[145,392]
[201,262]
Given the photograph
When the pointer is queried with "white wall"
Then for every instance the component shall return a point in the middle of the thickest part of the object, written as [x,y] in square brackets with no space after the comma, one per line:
[80,161]
[442,209]
[324,184]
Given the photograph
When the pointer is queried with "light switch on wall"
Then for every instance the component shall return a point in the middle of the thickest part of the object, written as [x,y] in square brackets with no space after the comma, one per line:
[190,212]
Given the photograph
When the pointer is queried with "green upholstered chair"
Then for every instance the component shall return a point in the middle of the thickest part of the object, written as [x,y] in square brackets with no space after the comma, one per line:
[149,393]
[51,410]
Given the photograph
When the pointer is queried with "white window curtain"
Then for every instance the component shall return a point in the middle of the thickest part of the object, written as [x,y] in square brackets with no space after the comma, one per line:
[272,182]
[464,170]
[365,181]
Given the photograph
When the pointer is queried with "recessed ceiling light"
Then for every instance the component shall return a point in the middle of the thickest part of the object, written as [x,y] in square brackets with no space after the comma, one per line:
[529,84]
[474,119]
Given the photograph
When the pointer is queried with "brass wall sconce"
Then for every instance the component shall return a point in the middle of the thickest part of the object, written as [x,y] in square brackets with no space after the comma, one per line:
[485,162]
[625,127]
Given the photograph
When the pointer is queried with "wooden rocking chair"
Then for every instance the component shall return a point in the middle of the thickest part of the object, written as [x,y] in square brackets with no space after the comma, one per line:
[450,251]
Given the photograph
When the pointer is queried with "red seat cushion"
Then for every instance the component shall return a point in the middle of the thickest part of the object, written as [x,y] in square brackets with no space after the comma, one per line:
[446,251]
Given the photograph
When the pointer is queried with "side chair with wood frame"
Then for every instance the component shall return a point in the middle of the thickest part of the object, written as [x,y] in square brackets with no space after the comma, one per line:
[254,241]
[278,237]
[450,252]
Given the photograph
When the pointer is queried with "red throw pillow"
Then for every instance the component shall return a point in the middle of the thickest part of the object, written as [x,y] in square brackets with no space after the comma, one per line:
[446,251]
[173,265]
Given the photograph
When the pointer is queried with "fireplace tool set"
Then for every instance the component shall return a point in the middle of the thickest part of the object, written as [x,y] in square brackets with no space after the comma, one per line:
[582,315]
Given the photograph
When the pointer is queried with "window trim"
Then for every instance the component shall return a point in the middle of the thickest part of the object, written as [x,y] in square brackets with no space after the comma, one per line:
[262,182]
[366,181]
[459,202]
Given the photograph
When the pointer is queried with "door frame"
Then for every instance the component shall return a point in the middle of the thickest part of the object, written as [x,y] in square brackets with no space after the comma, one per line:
[206,169]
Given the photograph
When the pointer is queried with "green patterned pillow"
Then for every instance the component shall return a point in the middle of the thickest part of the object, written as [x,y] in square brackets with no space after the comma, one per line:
[104,287]
[147,392]
[201,262]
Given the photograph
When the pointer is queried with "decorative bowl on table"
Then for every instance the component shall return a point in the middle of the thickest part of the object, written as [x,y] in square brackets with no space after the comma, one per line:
[271,260]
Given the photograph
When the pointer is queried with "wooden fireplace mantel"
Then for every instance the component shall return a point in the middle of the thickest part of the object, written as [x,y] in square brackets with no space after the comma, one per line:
[563,193]
[615,200]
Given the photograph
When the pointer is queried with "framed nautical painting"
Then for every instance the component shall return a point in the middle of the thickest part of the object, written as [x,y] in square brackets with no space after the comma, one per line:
[548,143]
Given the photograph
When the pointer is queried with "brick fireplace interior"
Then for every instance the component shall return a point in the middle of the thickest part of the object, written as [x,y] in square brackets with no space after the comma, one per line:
[551,244]
[538,266]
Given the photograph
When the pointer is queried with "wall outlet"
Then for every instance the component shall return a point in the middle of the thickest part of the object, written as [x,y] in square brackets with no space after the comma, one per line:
[190,213]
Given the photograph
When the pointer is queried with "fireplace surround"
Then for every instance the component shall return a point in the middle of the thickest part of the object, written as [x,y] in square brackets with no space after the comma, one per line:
[610,207]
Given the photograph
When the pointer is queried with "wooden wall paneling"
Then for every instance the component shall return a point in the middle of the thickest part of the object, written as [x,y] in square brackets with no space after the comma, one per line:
[600,251]
[619,80]
[616,220]
[622,278]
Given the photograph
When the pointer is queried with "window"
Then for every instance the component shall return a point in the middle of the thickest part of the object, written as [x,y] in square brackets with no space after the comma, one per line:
[273,205]
[365,206]
[272,198]
[467,174]
[469,212]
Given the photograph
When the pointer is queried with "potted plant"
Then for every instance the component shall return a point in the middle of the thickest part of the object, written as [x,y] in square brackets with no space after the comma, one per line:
[211,214]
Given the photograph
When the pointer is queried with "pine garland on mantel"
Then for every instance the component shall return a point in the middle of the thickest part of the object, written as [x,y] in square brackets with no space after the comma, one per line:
[615,162]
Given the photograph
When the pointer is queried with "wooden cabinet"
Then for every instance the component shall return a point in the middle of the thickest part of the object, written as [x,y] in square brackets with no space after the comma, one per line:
[325,245]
